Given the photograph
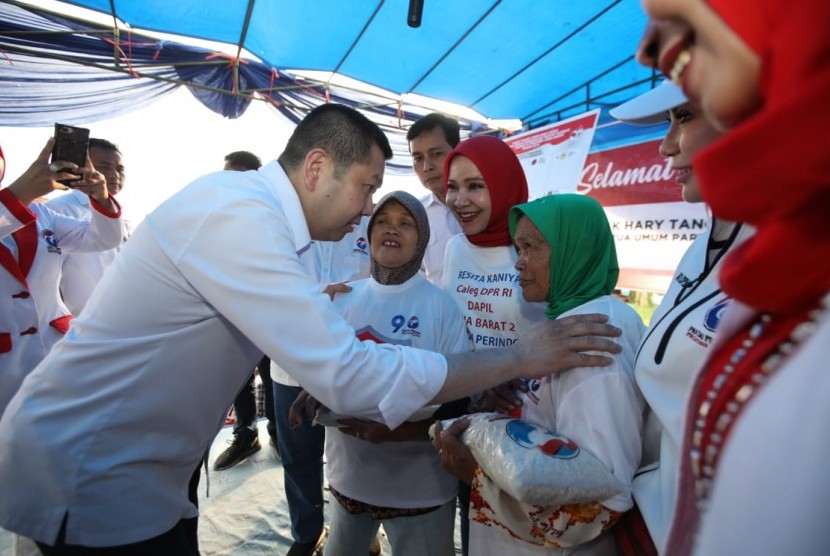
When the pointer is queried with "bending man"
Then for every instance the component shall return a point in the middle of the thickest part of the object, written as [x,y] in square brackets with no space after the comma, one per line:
[99,444]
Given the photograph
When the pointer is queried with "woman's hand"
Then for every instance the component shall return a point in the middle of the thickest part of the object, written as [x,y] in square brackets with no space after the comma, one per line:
[40,178]
[377,432]
[456,458]
[304,408]
[504,398]
[333,289]
[365,430]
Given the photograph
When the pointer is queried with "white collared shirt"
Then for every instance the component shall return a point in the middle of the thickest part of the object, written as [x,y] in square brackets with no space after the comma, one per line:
[109,428]
[80,272]
[442,226]
[330,262]
[30,306]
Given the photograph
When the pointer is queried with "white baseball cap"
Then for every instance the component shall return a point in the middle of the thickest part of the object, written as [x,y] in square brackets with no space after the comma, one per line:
[650,108]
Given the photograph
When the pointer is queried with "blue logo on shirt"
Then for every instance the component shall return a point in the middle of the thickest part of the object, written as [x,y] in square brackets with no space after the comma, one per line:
[406,326]
[713,315]
[360,245]
[51,241]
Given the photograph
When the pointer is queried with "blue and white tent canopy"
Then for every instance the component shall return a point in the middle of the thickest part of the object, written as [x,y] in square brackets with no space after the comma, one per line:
[521,59]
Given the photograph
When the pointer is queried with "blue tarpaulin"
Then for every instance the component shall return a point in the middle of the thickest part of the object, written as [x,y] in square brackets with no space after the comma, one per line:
[521,59]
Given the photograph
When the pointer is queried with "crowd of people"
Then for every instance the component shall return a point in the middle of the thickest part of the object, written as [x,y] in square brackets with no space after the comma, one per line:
[376,347]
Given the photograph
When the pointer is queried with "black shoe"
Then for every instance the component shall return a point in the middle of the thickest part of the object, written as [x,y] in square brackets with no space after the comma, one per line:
[276,448]
[244,444]
[308,548]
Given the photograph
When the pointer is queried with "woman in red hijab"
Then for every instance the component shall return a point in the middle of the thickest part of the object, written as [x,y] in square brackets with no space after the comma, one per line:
[755,480]
[484,180]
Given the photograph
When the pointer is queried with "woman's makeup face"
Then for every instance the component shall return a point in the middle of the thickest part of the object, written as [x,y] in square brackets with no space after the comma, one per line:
[467,196]
[394,236]
[690,44]
[688,133]
[534,260]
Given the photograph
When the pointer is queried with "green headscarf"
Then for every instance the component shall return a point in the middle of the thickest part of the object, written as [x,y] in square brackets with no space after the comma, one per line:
[583,258]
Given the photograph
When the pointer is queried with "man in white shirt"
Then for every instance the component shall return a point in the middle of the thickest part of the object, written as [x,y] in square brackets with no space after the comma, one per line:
[301,447]
[99,445]
[80,272]
[431,138]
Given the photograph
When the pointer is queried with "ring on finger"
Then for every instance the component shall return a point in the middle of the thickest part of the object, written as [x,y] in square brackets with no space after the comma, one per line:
[54,168]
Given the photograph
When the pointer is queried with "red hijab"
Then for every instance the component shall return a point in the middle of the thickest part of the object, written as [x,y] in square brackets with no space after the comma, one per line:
[505,180]
[773,170]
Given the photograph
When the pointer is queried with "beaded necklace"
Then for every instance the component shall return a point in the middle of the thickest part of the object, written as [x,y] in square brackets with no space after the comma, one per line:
[745,363]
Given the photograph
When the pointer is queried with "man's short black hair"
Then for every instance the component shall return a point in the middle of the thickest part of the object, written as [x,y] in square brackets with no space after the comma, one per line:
[344,133]
[452,131]
[243,160]
[103,144]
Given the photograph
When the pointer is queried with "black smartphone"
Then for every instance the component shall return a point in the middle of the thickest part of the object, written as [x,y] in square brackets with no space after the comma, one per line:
[71,144]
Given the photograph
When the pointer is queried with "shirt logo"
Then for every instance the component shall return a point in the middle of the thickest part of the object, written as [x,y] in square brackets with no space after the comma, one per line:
[684,280]
[360,246]
[532,393]
[712,319]
[369,334]
[51,241]
[406,326]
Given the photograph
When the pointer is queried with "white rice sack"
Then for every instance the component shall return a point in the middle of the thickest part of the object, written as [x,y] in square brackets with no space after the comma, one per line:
[533,465]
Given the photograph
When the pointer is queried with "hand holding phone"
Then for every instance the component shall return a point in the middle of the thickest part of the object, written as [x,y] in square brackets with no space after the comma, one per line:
[71,144]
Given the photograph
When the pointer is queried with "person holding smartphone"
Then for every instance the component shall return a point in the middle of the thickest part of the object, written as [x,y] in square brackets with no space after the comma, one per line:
[81,272]
[32,238]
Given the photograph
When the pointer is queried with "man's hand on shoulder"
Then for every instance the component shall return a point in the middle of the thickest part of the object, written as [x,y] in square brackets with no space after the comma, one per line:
[562,344]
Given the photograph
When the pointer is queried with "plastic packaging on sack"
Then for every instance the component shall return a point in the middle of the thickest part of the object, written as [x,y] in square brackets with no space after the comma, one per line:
[533,465]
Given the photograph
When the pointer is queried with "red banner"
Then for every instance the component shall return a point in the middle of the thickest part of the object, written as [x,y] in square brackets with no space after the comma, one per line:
[652,225]
[634,174]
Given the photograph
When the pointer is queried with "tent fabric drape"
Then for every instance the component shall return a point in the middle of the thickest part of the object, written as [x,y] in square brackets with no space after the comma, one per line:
[54,68]
[535,61]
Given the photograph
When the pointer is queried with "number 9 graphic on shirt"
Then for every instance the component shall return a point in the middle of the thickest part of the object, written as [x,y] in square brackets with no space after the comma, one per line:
[399,320]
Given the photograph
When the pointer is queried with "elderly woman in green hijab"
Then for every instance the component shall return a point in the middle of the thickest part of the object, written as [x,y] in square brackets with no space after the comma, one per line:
[566,257]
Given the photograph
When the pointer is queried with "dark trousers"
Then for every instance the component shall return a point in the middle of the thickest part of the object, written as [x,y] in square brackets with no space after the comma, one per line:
[245,403]
[301,449]
[181,540]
